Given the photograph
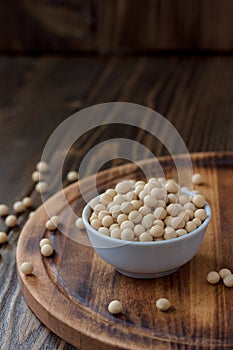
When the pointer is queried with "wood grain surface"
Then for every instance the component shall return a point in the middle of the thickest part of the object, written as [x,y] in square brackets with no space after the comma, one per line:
[36,94]
[70,291]
[161,25]
[115,26]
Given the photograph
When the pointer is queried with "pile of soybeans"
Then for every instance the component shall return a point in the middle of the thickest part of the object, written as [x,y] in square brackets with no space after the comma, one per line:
[147,211]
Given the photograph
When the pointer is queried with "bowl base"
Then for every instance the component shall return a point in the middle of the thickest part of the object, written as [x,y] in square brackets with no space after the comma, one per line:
[147,275]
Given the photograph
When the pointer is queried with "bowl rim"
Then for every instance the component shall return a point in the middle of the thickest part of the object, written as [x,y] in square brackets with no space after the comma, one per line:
[118,242]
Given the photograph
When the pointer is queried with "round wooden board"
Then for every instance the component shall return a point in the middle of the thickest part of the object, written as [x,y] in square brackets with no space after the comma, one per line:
[70,291]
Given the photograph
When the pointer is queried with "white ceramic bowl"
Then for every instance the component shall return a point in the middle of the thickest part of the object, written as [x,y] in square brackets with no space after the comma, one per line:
[146,259]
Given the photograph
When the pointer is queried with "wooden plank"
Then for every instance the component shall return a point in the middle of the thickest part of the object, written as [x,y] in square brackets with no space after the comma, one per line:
[40,95]
[194,93]
[120,26]
[154,25]
[46,26]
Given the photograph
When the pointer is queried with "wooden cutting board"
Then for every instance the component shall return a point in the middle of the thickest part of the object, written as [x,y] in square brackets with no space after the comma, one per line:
[70,291]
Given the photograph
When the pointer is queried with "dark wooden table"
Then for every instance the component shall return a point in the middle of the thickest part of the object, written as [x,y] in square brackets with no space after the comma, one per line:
[37,94]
